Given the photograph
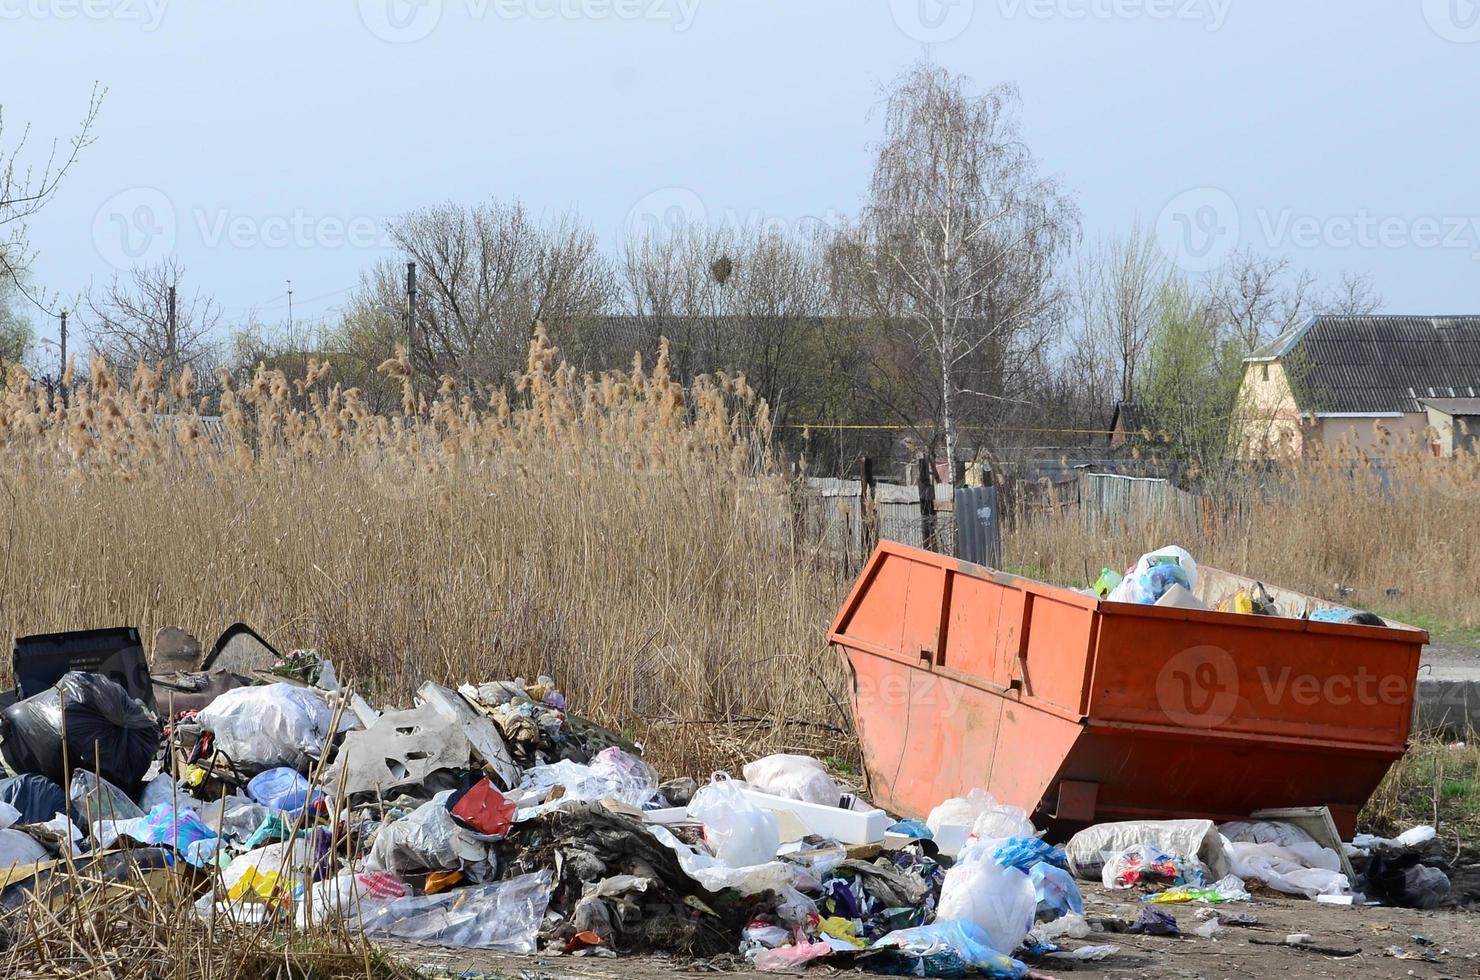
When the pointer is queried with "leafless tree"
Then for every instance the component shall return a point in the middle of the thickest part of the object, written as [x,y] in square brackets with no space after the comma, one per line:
[960,239]
[1118,286]
[1254,298]
[26,187]
[486,275]
[132,320]
[670,289]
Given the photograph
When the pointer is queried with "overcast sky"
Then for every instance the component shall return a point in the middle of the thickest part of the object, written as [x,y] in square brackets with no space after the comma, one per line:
[268,141]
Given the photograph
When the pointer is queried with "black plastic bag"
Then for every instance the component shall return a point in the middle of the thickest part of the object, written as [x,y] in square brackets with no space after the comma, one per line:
[107,732]
[35,796]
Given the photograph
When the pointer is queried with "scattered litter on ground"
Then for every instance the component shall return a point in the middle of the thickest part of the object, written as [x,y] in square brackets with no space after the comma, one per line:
[491,817]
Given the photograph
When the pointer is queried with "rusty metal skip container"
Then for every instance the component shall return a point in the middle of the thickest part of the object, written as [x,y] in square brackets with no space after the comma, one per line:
[1082,710]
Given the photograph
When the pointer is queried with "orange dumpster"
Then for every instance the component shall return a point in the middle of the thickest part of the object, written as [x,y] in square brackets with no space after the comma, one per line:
[1081,710]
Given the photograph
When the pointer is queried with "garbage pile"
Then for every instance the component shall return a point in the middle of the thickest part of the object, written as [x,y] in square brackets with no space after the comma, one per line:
[491,817]
[1170,577]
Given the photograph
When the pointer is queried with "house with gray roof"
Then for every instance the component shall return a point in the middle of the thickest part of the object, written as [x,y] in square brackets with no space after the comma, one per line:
[1375,382]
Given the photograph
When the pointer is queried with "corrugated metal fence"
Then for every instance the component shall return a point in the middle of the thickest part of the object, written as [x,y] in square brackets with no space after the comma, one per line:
[1109,502]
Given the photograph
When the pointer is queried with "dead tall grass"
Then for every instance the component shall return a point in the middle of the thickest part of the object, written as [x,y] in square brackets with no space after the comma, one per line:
[629,537]
[1397,534]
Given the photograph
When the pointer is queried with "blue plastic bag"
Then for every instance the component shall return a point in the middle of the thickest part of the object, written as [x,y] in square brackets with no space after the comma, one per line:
[967,939]
[1024,852]
[283,789]
[1058,895]
[912,828]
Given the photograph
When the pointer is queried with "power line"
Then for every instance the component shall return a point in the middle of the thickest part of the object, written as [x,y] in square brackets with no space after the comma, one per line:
[915,428]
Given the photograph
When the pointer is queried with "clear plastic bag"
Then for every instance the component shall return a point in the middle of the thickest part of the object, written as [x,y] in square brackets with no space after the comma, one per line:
[1088,850]
[793,777]
[95,799]
[1000,900]
[282,789]
[1146,864]
[503,916]
[715,875]
[612,775]
[739,833]
[788,959]
[987,819]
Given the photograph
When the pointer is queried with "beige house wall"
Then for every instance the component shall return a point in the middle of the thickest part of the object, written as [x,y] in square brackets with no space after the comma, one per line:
[1268,423]
[1376,434]
[1266,417]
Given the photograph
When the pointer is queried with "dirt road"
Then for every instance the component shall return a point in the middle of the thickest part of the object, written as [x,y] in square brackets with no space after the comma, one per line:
[1453,940]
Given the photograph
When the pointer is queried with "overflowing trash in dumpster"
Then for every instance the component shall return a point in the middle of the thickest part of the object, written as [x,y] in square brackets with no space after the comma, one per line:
[493,817]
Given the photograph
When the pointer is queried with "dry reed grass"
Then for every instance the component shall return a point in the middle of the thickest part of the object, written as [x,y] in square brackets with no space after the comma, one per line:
[623,534]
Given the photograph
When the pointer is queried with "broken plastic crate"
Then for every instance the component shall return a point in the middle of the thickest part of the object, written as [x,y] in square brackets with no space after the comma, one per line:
[1082,710]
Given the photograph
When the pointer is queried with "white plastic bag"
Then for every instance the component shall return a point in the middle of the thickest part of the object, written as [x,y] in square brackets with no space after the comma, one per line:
[8,815]
[793,777]
[1199,840]
[1000,900]
[739,833]
[1145,584]
[1300,869]
[271,725]
[987,819]
[716,876]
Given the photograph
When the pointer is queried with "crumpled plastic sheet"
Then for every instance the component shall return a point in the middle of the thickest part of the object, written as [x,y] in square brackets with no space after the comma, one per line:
[428,839]
[784,959]
[965,939]
[183,830]
[1300,869]
[504,916]
[612,775]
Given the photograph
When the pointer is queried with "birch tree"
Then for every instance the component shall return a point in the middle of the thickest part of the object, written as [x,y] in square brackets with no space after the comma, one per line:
[959,242]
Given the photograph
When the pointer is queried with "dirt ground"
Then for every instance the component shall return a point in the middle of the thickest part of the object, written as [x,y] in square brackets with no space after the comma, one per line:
[1365,933]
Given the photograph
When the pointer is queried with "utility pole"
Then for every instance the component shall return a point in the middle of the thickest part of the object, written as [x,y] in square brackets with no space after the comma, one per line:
[410,307]
[290,314]
[63,372]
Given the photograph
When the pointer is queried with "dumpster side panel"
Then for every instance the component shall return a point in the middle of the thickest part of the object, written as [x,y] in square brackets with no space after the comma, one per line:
[924,737]
[895,610]
[984,628]
[1214,672]
[1144,773]
[1055,665]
